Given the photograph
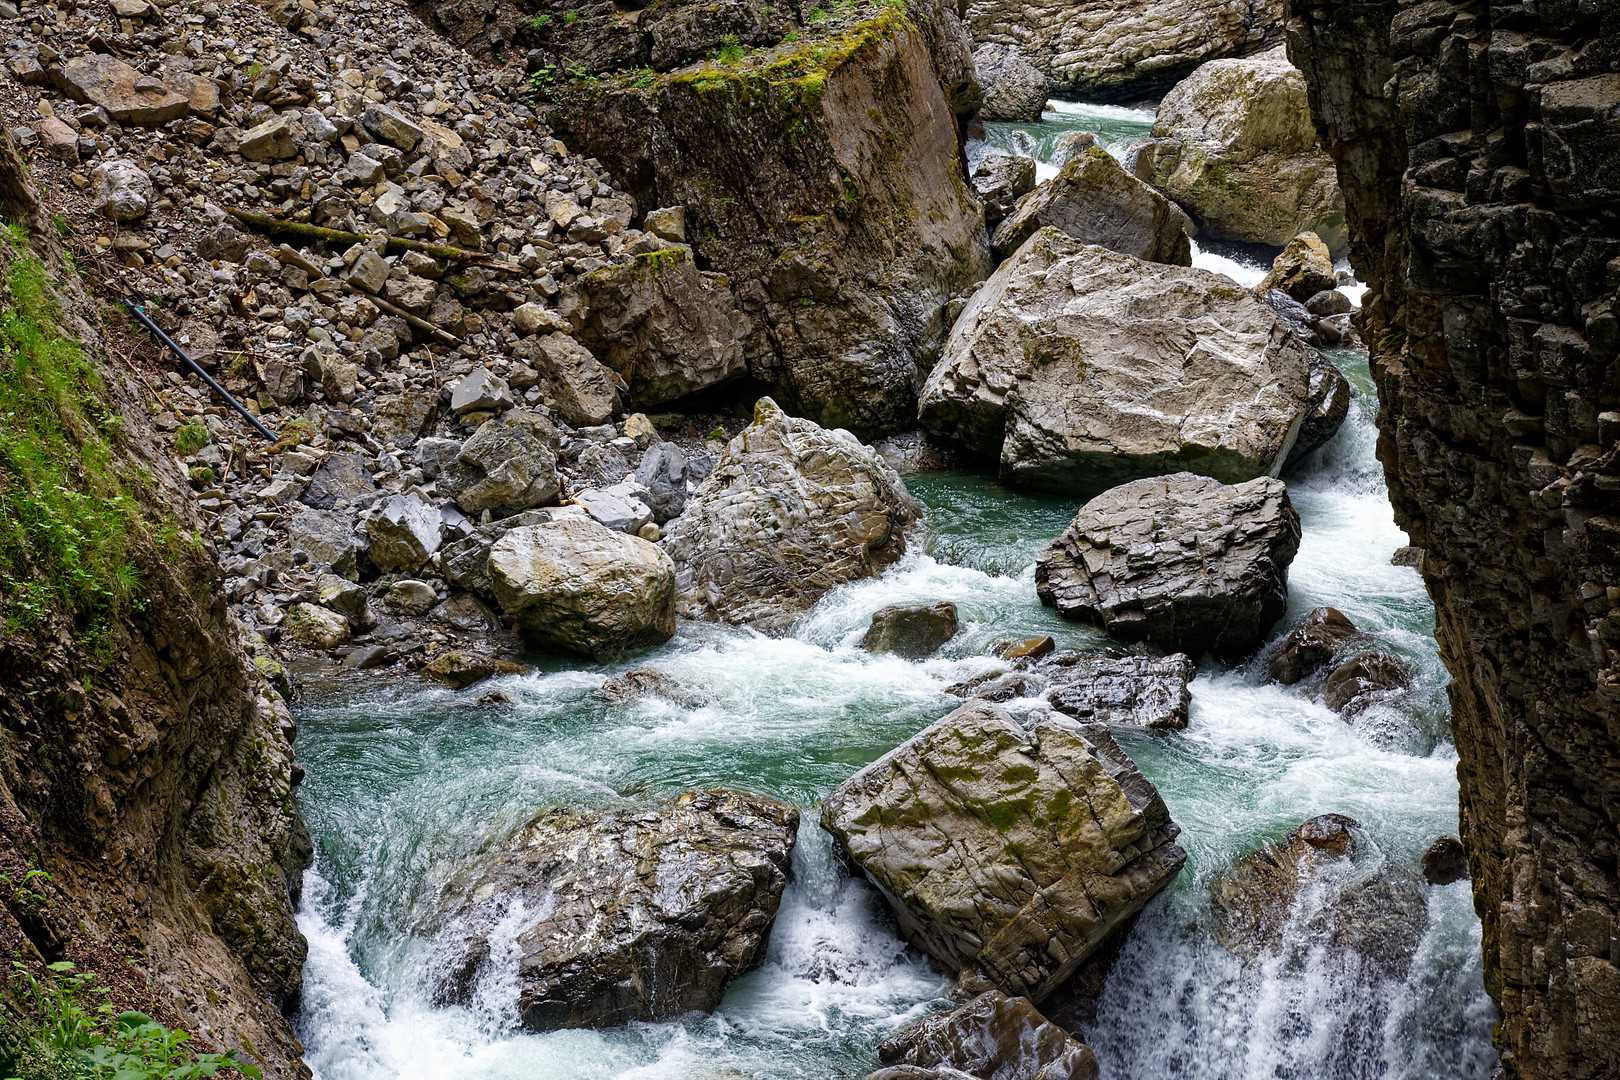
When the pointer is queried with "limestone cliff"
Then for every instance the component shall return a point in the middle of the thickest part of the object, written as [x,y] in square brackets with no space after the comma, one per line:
[1478,149]
[146,766]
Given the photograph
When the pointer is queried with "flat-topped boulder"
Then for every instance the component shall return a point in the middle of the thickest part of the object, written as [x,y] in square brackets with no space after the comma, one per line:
[911,630]
[625,914]
[1182,561]
[1010,850]
[574,585]
[1129,691]
[994,1037]
[1084,368]
[790,511]
[128,95]
[1096,201]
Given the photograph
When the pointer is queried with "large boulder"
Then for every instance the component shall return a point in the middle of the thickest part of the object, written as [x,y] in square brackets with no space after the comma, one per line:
[1237,150]
[1008,850]
[1319,888]
[129,96]
[1084,368]
[1106,50]
[570,379]
[666,327]
[791,511]
[821,176]
[1095,201]
[1182,561]
[993,1037]
[1129,691]
[509,465]
[624,915]
[575,585]
[1014,89]
[1310,646]
[1303,269]
[913,631]
[1326,406]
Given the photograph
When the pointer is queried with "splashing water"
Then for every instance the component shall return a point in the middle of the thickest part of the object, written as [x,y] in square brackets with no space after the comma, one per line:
[406,783]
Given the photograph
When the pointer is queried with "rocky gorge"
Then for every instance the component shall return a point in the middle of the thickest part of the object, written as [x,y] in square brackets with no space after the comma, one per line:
[783,550]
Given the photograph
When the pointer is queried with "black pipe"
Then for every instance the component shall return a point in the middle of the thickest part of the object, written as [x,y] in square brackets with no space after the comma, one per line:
[207,378]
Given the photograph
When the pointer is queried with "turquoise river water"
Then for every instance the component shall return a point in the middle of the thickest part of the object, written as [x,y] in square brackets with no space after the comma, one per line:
[406,781]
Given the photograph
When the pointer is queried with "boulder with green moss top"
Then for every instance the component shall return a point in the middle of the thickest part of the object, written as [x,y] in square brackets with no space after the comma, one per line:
[823,178]
[1011,850]
[1084,368]
[1097,202]
[1236,148]
[666,327]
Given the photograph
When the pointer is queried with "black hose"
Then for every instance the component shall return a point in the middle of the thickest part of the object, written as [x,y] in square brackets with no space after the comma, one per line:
[135,309]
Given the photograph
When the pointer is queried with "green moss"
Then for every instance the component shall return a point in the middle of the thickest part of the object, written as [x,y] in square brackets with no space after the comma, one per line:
[190,438]
[70,506]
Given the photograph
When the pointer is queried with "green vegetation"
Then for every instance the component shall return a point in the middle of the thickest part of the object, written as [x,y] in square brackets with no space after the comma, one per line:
[537,22]
[64,1026]
[570,17]
[70,512]
[190,438]
[730,50]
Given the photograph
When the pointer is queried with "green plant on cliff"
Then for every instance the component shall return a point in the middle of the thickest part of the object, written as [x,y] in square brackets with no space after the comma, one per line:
[69,511]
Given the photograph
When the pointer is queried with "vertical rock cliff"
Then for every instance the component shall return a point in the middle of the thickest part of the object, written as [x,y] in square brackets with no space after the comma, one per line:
[1478,147]
[145,765]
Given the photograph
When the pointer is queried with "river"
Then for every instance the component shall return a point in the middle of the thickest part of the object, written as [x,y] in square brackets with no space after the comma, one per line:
[406,782]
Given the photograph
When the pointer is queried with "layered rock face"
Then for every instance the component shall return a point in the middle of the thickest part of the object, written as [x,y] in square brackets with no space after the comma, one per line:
[627,915]
[1478,149]
[1008,850]
[991,1036]
[791,511]
[823,178]
[1236,149]
[148,766]
[1108,51]
[1084,368]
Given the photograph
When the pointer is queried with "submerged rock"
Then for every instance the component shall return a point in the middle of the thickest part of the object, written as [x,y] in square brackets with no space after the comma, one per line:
[1131,691]
[992,1037]
[641,682]
[574,585]
[791,511]
[912,631]
[1363,681]
[1182,561]
[1096,201]
[1010,850]
[1310,646]
[1237,150]
[628,914]
[1356,902]
[1084,368]
[459,669]
[1014,89]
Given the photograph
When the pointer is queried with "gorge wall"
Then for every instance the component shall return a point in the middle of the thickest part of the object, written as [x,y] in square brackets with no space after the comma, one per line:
[146,765]
[1478,146]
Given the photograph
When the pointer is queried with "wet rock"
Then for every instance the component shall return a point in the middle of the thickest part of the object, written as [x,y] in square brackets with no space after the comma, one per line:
[911,631]
[998,686]
[994,1037]
[1084,368]
[1310,646]
[341,479]
[1030,648]
[128,96]
[662,474]
[571,379]
[1358,902]
[1407,555]
[1070,145]
[410,597]
[119,190]
[1364,681]
[1014,89]
[1095,201]
[460,668]
[640,682]
[1130,691]
[689,893]
[1327,404]
[509,465]
[315,627]
[1302,270]
[576,586]
[1445,861]
[403,531]
[791,511]
[1329,302]
[999,181]
[1010,850]
[1242,156]
[369,657]
[1182,561]
[668,328]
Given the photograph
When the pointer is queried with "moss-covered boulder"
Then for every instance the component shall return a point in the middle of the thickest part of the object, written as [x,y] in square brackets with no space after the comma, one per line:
[1236,149]
[1016,851]
[1096,201]
[824,178]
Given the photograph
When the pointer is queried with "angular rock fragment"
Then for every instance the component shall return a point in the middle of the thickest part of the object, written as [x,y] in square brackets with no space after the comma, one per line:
[994,1037]
[1016,851]
[1182,561]
[571,380]
[341,478]
[1130,691]
[1014,89]
[509,465]
[1304,269]
[999,181]
[128,96]
[120,190]
[628,914]
[1095,201]
[404,531]
[1310,646]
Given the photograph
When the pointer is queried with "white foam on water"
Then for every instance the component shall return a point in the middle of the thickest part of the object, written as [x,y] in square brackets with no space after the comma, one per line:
[1243,271]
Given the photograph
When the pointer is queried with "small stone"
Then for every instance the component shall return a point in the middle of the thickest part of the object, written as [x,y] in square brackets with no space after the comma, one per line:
[410,597]
[1131,691]
[1364,681]
[274,140]
[667,223]
[532,318]
[120,190]
[370,271]
[59,141]
[641,429]
[392,126]
[1310,646]
[650,533]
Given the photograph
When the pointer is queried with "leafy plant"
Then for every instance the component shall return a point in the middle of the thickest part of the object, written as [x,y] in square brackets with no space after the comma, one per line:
[22,894]
[816,15]
[730,51]
[143,1049]
[537,22]
[60,1018]
[570,17]
[190,438]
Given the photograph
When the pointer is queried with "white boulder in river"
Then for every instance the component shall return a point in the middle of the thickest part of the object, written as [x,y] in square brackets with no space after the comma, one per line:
[791,511]
[1183,561]
[1012,850]
[1084,368]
